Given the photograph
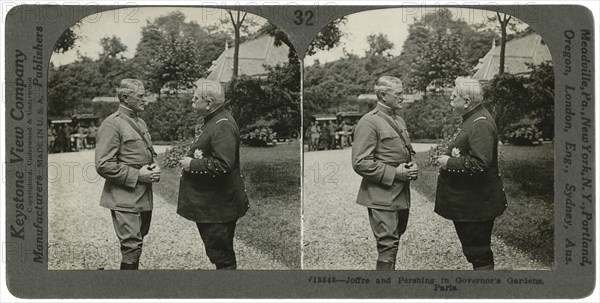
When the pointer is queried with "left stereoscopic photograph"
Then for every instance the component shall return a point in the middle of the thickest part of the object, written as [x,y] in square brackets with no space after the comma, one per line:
[173,142]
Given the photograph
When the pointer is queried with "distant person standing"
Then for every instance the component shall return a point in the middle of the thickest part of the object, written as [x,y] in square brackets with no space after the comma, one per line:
[51,138]
[346,131]
[382,156]
[91,135]
[324,136]
[60,143]
[469,188]
[314,135]
[68,138]
[351,133]
[331,130]
[80,137]
[126,159]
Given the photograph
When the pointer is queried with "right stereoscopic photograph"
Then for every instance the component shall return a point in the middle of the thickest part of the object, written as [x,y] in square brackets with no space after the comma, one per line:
[428,143]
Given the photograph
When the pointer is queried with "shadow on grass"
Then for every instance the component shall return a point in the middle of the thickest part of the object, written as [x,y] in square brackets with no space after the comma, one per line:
[272,179]
[528,176]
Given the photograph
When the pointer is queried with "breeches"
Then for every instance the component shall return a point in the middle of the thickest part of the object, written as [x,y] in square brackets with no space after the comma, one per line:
[387,227]
[476,238]
[131,227]
[218,242]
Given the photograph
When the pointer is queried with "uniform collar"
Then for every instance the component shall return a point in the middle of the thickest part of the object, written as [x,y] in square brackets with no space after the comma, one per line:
[127,111]
[217,111]
[471,112]
[385,109]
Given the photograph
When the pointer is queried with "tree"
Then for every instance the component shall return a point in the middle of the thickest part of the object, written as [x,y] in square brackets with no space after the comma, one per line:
[431,118]
[540,86]
[67,39]
[507,99]
[209,41]
[111,47]
[175,66]
[441,60]
[71,84]
[327,38]
[378,44]
[273,100]
[476,39]
[162,114]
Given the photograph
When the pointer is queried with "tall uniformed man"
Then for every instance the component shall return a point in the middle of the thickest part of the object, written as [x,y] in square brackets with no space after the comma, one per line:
[126,159]
[382,155]
[469,189]
[211,190]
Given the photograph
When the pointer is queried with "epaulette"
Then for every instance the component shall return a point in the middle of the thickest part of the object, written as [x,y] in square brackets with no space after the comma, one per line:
[375,111]
[480,118]
[224,119]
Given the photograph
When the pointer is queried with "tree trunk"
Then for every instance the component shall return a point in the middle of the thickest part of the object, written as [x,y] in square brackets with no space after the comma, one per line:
[237,24]
[236,52]
[503,25]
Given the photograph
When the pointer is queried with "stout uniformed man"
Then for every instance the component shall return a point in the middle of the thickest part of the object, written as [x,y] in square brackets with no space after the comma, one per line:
[382,155]
[125,158]
[469,188]
[211,190]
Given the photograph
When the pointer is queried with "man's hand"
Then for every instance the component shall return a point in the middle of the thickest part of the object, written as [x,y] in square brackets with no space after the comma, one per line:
[185,163]
[414,167]
[156,169]
[442,160]
[148,175]
[407,171]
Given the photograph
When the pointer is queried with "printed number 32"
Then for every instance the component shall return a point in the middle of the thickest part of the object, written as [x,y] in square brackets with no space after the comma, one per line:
[300,18]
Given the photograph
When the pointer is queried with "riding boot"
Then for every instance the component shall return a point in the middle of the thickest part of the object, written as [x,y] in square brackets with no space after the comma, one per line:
[483,267]
[227,266]
[385,265]
[129,266]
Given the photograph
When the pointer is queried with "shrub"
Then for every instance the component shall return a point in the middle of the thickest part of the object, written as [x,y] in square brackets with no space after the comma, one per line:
[522,134]
[431,118]
[171,118]
[436,151]
[173,155]
[259,136]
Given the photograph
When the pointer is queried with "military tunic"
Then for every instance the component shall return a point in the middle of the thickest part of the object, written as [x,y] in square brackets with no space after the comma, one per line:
[469,188]
[213,191]
[377,150]
[120,153]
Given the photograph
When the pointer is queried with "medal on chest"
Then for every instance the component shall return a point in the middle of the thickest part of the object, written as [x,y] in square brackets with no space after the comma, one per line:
[455,135]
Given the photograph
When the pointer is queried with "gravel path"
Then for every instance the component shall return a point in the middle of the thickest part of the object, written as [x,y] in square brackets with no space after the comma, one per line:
[336,230]
[81,235]
[337,233]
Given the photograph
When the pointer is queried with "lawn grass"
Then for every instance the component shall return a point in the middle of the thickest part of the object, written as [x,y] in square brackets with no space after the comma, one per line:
[272,179]
[528,176]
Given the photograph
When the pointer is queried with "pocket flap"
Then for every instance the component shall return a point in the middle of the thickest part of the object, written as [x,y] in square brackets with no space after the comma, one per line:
[130,136]
[388,135]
